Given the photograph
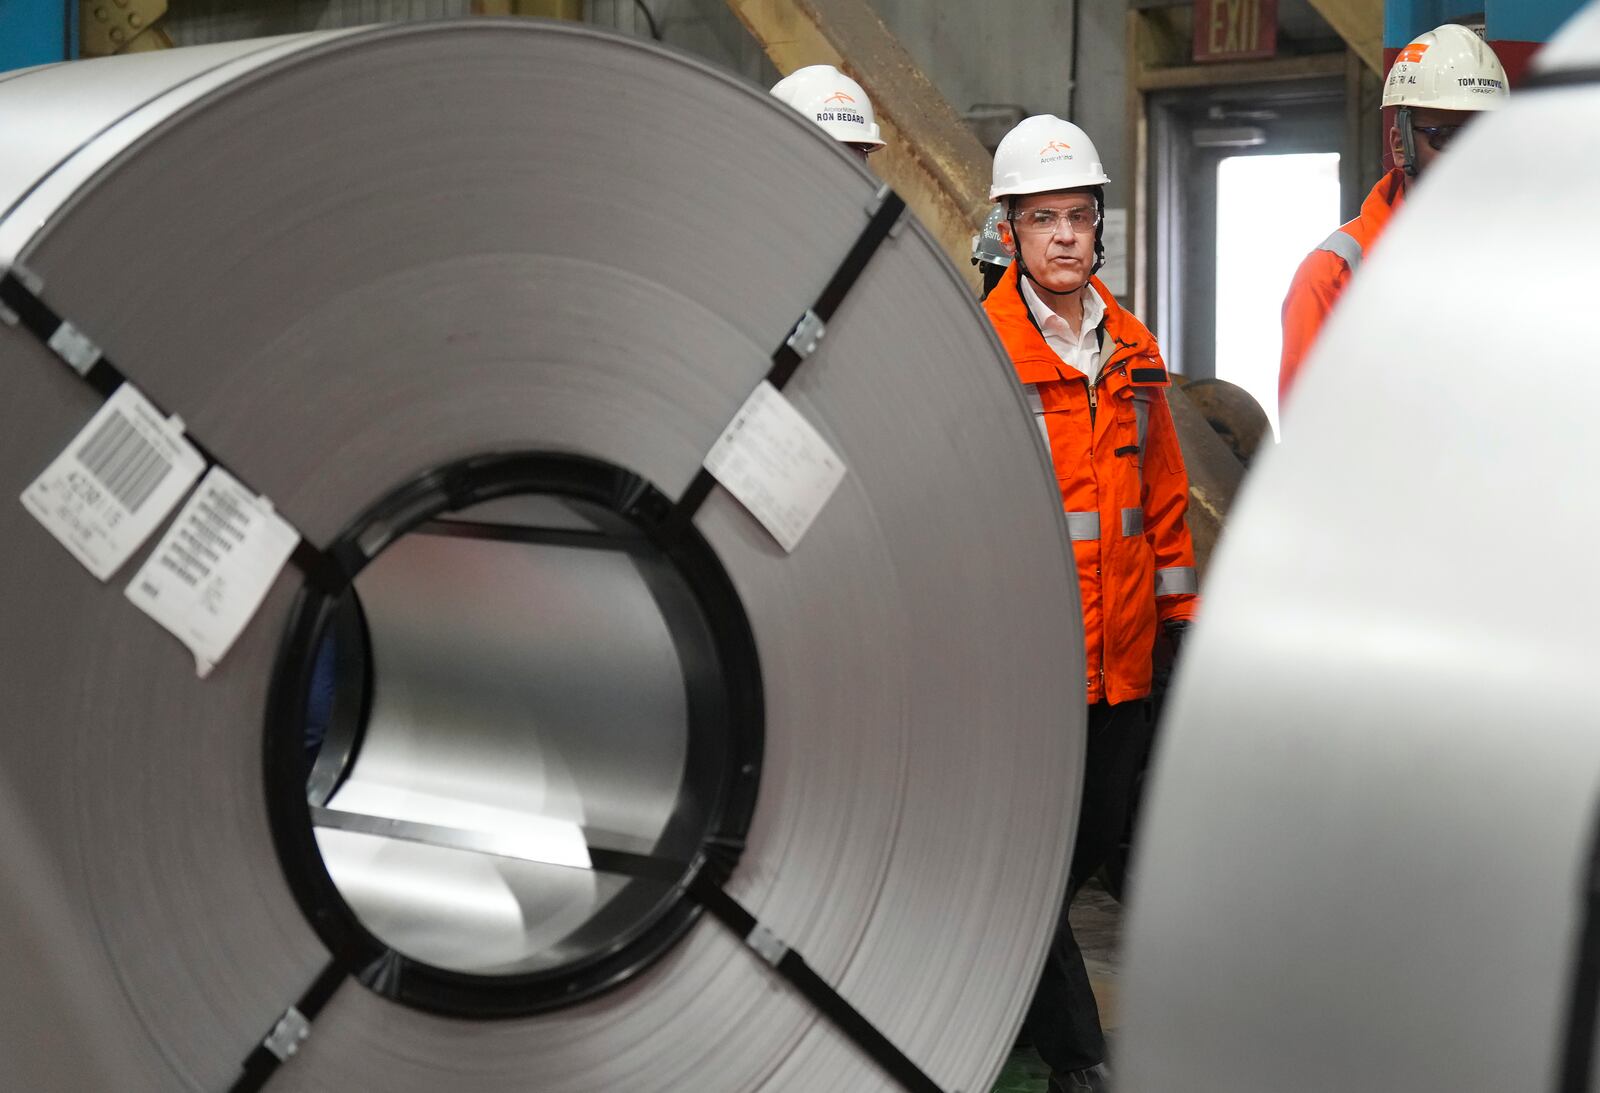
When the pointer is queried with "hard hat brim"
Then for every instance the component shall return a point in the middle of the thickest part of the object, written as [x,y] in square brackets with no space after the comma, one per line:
[1049,185]
[1475,104]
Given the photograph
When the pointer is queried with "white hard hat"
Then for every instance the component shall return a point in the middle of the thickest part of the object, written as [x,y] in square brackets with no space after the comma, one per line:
[1447,68]
[986,245]
[1045,153]
[834,101]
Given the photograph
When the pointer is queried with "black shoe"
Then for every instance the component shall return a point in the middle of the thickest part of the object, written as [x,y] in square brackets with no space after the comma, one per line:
[1096,1079]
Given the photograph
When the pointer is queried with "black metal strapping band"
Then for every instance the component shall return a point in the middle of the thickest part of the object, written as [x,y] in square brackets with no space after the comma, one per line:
[1576,1064]
[85,358]
[705,888]
[43,323]
[816,990]
[789,355]
[1561,77]
[457,528]
[286,1035]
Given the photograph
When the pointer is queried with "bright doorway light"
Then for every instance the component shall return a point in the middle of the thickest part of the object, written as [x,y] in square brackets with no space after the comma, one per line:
[1271,211]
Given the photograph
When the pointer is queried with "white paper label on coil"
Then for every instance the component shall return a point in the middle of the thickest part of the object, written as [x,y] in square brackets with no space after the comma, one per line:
[776,464]
[118,479]
[214,566]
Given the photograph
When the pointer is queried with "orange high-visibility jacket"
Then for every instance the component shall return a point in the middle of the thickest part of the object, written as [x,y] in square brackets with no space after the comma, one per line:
[1122,480]
[1324,273]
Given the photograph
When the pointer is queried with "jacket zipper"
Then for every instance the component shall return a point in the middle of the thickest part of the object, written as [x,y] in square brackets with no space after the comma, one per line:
[1088,386]
[1094,402]
[1094,399]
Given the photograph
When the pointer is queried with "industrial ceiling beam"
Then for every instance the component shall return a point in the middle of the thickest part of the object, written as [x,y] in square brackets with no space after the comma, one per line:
[932,160]
[1360,24]
[1228,74]
[123,26]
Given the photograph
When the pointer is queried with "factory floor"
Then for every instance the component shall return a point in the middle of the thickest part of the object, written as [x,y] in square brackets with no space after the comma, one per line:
[1097,924]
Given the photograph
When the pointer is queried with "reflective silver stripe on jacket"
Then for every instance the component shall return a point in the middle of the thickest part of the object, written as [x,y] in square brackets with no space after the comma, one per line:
[1036,404]
[1176,581]
[1132,522]
[1141,415]
[1083,527]
[1345,246]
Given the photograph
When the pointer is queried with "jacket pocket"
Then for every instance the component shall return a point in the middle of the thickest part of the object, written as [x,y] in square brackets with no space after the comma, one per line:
[1062,428]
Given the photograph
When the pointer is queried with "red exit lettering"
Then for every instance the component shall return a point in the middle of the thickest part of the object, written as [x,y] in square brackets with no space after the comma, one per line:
[1235,30]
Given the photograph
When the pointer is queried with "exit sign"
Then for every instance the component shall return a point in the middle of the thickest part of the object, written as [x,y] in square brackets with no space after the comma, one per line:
[1235,30]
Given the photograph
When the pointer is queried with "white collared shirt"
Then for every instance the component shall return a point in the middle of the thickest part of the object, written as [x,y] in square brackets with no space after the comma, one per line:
[1080,349]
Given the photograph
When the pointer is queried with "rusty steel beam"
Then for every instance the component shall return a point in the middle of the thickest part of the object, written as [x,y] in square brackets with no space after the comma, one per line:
[933,160]
[1360,24]
[127,26]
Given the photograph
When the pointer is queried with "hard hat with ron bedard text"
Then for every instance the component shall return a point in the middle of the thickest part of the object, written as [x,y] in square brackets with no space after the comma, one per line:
[834,101]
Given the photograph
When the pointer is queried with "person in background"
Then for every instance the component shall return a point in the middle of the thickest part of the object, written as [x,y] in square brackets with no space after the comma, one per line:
[1439,82]
[1094,378]
[989,254]
[836,103]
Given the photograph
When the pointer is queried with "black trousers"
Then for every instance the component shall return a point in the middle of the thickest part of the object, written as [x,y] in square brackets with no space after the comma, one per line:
[1063,1020]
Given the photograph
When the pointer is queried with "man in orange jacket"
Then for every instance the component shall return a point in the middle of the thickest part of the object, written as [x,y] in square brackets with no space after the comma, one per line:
[1439,82]
[1095,381]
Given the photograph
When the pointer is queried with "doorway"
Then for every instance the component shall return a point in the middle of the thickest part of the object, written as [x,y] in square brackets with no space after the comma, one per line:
[1245,182]
[1271,210]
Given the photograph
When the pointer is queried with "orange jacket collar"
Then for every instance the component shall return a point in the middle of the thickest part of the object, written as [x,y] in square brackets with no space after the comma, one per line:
[1377,207]
[1032,356]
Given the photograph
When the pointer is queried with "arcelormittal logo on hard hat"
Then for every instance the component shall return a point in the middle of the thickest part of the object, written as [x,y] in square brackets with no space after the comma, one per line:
[1055,152]
[840,106]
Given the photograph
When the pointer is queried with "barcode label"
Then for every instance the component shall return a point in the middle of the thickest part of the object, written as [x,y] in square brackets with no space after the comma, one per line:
[115,483]
[124,462]
[214,566]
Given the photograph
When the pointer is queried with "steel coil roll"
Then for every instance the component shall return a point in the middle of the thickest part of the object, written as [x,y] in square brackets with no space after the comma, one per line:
[521,276]
[1366,856]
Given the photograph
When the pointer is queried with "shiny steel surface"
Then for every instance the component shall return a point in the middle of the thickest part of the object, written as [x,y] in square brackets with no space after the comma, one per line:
[521,694]
[338,277]
[65,122]
[53,1018]
[1363,852]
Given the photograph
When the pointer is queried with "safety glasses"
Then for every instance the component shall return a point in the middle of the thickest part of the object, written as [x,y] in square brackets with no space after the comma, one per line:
[1082,220]
[1438,135]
